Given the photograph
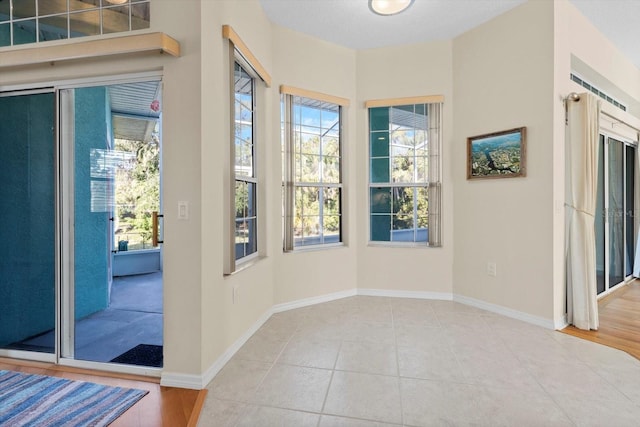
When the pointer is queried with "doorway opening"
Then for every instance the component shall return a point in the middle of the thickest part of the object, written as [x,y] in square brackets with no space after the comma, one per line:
[87,225]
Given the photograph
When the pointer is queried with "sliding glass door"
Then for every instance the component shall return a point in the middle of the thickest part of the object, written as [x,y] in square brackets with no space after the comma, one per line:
[88,201]
[615,224]
[80,249]
[27,223]
[112,287]
[112,294]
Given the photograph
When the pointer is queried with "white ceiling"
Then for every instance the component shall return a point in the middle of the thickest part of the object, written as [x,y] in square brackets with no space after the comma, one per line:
[350,23]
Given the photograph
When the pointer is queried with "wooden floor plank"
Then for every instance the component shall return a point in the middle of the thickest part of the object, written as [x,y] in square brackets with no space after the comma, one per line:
[163,406]
[619,315]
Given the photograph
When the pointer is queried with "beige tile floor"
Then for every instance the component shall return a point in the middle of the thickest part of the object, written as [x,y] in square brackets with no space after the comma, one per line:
[376,362]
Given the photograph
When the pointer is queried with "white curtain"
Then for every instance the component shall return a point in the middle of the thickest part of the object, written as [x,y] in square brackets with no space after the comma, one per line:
[582,175]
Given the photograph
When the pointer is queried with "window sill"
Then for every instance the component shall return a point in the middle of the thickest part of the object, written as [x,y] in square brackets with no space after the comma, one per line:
[316,248]
[245,264]
[409,245]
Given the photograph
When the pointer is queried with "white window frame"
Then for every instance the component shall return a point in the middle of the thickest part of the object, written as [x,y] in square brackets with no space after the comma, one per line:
[239,53]
[251,179]
[433,186]
[290,184]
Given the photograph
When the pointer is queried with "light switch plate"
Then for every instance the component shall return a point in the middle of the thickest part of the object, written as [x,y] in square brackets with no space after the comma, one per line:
[183,210]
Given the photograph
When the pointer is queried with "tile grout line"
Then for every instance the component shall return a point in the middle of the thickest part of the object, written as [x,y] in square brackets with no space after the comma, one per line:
[629,399]
[326,395]
[268,370]
[305,411]
[535,378]
[445,330]
[395,340]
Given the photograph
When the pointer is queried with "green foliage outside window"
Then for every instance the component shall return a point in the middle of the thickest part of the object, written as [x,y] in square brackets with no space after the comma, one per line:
[137,191]
[315,136]
[399,173]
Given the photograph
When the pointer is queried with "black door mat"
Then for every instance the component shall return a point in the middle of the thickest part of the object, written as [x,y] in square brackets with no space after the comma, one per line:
[142,355]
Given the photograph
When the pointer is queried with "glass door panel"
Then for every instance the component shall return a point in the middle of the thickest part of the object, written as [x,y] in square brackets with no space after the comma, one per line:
[27,223]
[92,204]
[600,220]
[629,215]
[616,211]
[115,292]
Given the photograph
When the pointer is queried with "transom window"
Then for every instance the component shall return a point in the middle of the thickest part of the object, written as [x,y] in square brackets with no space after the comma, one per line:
[312,172]
[34,21]
[404,184]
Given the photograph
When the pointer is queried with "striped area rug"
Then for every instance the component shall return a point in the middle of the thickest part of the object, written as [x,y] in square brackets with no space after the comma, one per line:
[37,400]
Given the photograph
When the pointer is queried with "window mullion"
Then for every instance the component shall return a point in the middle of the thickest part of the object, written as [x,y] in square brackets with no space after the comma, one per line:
[320,184]
[321,212]
[415,214]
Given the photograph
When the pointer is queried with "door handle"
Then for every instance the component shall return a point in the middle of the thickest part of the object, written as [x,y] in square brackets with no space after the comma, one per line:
[155,228]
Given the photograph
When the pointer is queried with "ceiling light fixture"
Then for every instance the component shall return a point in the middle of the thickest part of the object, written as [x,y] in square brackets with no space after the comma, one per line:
[117,1]
[389,7]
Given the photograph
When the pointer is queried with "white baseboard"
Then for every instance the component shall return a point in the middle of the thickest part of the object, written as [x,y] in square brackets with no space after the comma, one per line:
[213,370]
[278,308]
[171,379]
[562,323]
[504,311]
[201,381]
[217,366]
[176,380]
[446,296]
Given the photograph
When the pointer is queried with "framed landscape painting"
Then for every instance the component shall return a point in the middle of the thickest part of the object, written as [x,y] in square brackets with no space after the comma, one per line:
[497,155]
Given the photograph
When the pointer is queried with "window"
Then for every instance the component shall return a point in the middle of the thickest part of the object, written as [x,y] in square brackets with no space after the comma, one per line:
[33,21]
[404,171]
[244,223]
[312,178]
[245,177]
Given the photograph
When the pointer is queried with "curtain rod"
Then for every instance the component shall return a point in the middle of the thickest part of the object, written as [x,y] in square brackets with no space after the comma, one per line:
[619,121]
[623,122]
[575,97]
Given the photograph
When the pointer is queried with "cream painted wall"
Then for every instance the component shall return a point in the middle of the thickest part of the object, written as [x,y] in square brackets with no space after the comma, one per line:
[503,79]
[223,321]
[421,69]
[308,63]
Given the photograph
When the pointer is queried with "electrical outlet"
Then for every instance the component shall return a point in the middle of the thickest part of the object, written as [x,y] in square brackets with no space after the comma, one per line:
[491,269]
[236,295]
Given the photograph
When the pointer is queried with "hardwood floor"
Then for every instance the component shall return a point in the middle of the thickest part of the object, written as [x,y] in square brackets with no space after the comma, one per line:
[619,315]
[163,406]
